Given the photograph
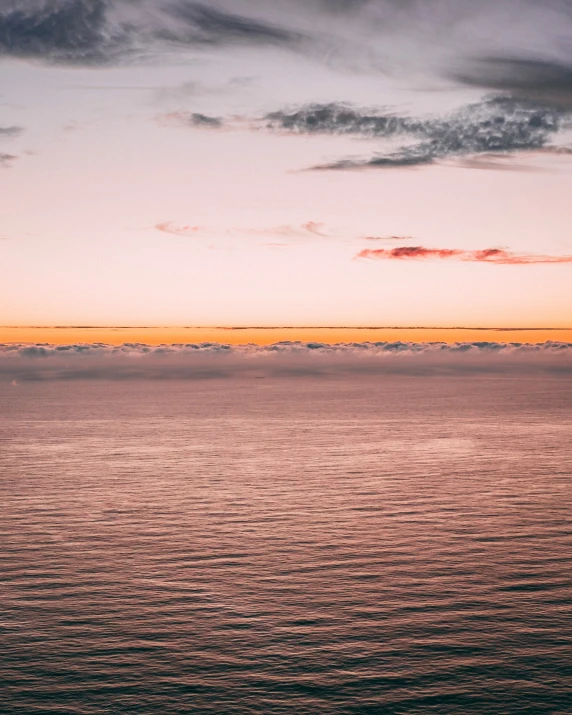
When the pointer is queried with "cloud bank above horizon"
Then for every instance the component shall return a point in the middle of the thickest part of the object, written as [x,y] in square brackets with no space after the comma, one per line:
[25,362]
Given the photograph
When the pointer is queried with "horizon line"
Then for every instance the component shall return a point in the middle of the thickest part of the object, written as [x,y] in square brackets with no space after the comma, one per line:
[276,327]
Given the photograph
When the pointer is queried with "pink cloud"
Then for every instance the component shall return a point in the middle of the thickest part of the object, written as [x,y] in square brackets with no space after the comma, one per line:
[487,255]
[170,227]
[310,228]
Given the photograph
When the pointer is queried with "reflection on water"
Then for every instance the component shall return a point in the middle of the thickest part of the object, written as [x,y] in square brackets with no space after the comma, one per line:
[397,545]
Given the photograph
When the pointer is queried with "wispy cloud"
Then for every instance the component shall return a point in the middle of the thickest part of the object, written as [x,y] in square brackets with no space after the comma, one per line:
[388,238]
[178,230]
[487,255]
[284,360]
[195,88]
[199,23]
[310,228]
[284,231]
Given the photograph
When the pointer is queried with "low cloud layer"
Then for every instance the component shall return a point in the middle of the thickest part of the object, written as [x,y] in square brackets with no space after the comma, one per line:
[486,255]
[25,362]
[496,126]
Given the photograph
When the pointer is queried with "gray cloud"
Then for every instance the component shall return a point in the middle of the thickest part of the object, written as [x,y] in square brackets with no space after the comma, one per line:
[284,359]
[103,32]
[519,46]
[198,23]
[6,160]
[196,119]
[341,119]
[479,134]
[498,125]
[519,75]
[60,30]
[11,131]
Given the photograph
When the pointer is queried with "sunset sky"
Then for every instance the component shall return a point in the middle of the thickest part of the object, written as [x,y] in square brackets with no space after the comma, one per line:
[286,163]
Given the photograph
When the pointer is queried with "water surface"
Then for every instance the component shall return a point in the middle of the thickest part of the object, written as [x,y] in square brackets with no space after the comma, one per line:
[287,545]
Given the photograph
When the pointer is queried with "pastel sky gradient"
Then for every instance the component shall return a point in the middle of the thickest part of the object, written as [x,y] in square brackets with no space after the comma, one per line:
[255,163]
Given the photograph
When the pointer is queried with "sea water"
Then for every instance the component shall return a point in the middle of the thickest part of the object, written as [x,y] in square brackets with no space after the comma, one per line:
[389,544]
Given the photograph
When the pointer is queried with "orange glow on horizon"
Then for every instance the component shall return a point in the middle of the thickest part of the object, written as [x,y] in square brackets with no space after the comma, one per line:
[267,336]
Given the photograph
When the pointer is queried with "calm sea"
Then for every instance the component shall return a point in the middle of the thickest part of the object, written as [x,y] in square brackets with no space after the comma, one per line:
[287,545]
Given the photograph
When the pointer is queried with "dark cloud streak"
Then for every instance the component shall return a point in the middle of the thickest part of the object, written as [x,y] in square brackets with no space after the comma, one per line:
[488,255]
[498,125]
[540,80]
[200,24]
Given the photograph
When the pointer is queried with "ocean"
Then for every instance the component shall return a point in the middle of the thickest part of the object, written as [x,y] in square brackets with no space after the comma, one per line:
[288,544]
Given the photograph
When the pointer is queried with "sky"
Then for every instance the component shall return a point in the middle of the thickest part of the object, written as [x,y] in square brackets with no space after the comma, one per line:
[285,163]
